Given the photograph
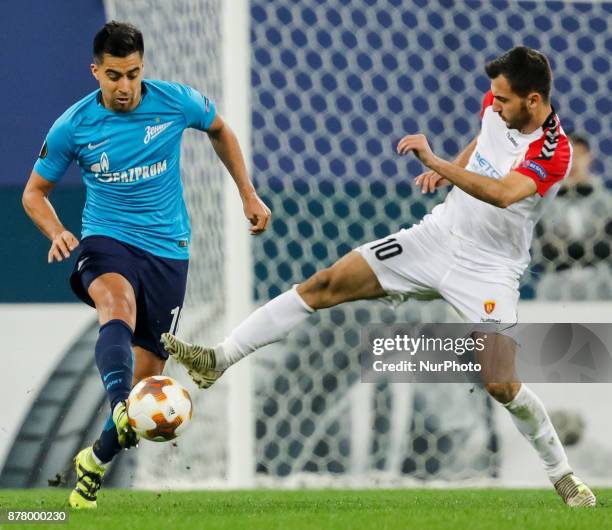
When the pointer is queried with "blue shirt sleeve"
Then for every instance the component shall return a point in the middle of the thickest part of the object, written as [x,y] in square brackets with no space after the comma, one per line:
[199,110]
[57,152]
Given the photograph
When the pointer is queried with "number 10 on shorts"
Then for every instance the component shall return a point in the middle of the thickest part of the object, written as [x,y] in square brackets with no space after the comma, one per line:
[388,248]
[176,317]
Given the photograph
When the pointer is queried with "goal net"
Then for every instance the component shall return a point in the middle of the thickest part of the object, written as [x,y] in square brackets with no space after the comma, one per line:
[183,43]
[333,86]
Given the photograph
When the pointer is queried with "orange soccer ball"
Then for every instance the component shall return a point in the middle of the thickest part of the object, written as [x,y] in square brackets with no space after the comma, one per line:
[159,408]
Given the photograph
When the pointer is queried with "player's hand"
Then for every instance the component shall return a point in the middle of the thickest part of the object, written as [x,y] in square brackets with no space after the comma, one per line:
[417,143]
[61,246]
[429,181]
[256,212]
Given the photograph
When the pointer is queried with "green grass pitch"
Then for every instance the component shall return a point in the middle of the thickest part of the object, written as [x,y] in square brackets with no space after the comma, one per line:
[321,509]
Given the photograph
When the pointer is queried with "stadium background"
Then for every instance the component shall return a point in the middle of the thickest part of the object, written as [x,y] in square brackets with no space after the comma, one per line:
[333,86]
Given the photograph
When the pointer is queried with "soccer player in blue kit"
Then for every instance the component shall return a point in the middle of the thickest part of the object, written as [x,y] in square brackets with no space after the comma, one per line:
[134,252]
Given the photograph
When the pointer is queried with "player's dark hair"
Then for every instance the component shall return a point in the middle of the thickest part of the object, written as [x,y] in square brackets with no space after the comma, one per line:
[119,39]
[526,69]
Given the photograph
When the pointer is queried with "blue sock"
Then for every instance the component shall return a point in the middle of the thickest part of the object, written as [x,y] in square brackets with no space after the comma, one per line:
[114,360]
[107,446]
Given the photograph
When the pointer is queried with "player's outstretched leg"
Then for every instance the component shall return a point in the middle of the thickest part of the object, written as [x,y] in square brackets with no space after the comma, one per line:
[350,278]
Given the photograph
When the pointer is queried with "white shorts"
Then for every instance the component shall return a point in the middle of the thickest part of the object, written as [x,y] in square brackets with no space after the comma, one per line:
[426,262]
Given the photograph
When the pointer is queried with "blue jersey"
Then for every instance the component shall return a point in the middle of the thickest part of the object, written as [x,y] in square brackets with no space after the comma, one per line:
[130,164]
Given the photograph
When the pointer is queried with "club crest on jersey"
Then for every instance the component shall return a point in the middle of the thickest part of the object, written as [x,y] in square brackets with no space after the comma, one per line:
[151,131]
[489,306]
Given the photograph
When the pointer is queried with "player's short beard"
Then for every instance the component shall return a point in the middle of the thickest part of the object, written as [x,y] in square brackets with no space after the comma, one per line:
[520,121]
[118,107]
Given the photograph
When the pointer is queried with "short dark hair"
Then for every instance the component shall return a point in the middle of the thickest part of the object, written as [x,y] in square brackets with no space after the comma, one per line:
[119,39]
[526,69]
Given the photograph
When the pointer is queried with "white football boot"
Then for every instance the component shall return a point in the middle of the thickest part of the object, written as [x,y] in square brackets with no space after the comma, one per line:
[574,492]
[199,361]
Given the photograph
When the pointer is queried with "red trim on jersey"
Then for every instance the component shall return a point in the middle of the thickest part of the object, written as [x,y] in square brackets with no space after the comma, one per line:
[486,102]
[548,158]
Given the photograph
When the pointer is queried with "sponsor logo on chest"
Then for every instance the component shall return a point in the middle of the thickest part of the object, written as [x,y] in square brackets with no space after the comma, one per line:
[484,167]
[102,173]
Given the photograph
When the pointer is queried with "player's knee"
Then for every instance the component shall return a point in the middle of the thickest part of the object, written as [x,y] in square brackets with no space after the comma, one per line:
[113,305]
[122,306]
[502,392]
[320,290]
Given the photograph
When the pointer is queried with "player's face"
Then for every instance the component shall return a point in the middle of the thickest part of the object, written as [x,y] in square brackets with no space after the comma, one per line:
[513,109]
[120,81]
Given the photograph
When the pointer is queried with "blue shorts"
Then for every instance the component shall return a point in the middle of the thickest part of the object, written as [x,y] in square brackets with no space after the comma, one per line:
[159,285]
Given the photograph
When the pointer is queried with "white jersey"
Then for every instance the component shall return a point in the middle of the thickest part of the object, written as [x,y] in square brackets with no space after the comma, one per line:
[504,234]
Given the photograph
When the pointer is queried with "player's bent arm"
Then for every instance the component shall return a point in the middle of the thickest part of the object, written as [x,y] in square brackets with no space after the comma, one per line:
[228,150]
[502,193]
[430,180]
[35,200]
[511,188]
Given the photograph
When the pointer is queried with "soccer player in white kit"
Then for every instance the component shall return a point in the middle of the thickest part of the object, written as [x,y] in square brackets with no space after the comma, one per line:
[471,250]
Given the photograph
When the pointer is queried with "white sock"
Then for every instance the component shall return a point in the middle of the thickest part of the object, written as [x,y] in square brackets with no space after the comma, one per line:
[532,420]
[270,323]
